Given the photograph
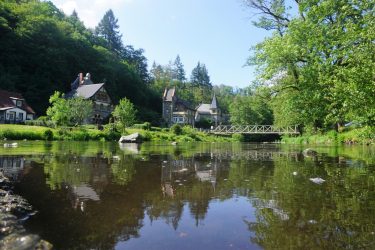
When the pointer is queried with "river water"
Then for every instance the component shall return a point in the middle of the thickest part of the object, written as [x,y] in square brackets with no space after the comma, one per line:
[195,196]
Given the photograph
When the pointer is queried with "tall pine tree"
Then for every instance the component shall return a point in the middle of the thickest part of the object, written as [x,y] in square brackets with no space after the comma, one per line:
[108,30]
[179,69]
[199,76]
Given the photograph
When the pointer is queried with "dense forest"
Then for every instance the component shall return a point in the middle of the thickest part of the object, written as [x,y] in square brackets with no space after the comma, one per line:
[42,50]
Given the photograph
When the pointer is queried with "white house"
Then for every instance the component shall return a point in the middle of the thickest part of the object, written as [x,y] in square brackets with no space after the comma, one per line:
[14,108]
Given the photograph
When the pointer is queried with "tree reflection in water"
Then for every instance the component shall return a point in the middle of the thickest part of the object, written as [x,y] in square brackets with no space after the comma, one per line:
[99,198]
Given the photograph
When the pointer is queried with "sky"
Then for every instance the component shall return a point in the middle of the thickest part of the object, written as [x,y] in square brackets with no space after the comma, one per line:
[218,33]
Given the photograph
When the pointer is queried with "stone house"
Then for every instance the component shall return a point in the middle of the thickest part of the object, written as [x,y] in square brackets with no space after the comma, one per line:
[86,88]
[176,110]
[14,108]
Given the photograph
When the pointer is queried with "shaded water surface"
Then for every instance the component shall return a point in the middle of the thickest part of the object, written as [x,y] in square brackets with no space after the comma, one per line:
[195,196]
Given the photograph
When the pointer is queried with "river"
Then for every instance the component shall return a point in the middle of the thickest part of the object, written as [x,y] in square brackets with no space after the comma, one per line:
[98,195]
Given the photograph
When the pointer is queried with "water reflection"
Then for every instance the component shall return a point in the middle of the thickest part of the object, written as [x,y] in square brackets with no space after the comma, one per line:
[12,166]
[204,196]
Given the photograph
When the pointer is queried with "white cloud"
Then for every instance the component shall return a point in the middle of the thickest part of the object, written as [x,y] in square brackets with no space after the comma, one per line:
[90,11]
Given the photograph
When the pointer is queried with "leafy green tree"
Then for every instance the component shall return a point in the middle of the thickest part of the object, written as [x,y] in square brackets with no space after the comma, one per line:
[318,63]
[58,112]
[138,61]
[74,111]
[108,30]
[124,114]
[249,110]
[81,110]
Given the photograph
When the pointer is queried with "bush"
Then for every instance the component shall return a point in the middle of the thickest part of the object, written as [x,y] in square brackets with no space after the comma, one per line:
[48,135]
[238,137]
[38,122]
[176,129]
[204,123]
[188,130]
[146,126]
[21,135]
[146,136]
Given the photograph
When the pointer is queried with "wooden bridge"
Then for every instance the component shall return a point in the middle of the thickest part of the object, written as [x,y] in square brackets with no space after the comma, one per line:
[254,129]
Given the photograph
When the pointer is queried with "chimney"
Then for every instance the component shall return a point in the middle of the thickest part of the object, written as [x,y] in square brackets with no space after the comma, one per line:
[80,78]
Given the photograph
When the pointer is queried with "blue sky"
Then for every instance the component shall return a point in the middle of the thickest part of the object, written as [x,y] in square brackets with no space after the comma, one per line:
[217,33]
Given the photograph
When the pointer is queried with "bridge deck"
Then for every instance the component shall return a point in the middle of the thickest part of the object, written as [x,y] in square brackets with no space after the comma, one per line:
[254,129]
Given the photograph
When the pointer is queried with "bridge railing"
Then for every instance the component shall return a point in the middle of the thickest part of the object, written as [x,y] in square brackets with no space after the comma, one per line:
[254,129]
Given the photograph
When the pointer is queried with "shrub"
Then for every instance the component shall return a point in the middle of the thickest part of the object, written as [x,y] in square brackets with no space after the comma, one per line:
[20,135]
[146,136]
[146,126]
[238,137]
[204,123]
[188,130]
[156,129]
[176,129]
[44,123]
[48,135]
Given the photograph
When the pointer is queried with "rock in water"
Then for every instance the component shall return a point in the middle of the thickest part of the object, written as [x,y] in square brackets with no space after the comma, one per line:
[309,152]
[317,180]
[136,137]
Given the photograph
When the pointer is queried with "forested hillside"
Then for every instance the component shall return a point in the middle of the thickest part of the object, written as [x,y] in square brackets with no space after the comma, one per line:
[42,50]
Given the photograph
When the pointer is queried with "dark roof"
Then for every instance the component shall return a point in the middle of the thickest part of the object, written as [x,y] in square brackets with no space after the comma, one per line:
[168,94]
[7,103]
[184,103]
[85,91]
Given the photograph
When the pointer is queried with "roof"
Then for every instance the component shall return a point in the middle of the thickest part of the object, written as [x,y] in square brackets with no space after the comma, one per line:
[7,103]
[168,94]
[85,91]
[204,108]
[184,103]
[214,102]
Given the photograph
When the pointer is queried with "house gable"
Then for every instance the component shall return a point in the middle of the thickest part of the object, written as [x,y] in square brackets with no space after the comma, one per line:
[14,108]
[85,88]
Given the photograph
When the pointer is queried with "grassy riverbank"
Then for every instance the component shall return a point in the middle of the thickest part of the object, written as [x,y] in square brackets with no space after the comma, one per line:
[365,135]
[87,133]
[22,132]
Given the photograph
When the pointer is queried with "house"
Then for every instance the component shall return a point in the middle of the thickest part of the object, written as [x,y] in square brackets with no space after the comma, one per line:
[176,110]
[14,108]
[86,88]
[209,111]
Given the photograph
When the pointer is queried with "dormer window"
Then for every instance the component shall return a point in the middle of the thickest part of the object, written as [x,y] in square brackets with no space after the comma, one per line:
[18,103]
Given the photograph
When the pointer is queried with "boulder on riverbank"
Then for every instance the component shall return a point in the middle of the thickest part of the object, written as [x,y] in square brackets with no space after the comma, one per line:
[133,138]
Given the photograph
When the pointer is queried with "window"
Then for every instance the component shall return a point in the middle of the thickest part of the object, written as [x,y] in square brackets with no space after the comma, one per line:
[178,119]
[12,115]
[20,116]
[19,103]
